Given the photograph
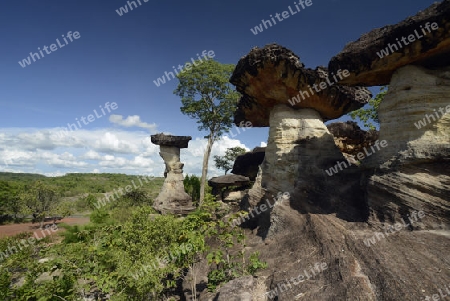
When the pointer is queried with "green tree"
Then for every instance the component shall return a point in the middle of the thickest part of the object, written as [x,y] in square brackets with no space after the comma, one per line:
[192,187]
[41,200]
[369,115]
[226,162]
[207,96]
[10,202]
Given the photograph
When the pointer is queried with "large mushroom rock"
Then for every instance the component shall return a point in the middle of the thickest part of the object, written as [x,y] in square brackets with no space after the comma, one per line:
[300,147]
[375,56]
[274,75]
[412,172]
[172,198]
[247,164]
[350,138]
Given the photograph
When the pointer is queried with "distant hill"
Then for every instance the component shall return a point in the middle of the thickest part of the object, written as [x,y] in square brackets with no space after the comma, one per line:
[74,184]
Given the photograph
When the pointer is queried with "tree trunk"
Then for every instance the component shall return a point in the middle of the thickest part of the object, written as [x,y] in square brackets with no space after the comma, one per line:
[205,168]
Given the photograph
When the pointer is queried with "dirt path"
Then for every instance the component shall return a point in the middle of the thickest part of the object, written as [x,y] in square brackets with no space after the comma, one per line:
[13,229]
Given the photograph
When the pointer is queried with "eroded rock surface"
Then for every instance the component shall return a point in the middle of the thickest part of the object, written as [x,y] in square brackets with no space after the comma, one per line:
[413,172]
[350,138]
[172,198]
[299,148]
[274,75]
[431,50]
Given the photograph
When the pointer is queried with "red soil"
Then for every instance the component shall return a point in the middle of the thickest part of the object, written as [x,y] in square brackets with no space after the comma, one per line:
[13,229]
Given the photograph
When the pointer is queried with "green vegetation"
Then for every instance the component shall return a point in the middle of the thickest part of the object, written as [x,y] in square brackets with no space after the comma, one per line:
[369,115]
[127,251]
[207,96]
[226,162]
[192,187]
[22,195]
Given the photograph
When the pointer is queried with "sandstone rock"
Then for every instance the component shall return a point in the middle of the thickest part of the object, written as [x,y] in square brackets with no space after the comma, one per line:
[228,180]
[413,173]
[234,196]
[217,183]
[350,138]
[248,163]
[172,198]
[242,289]
[169,140]
[432,50]
[274,75]
[299,148]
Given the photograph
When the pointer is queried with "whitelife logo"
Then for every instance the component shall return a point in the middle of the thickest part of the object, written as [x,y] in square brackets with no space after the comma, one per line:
[284,15]
[27,61]
[334,169]
[124,9]
[187,66]
[71,127]
[411,38]
[319,87]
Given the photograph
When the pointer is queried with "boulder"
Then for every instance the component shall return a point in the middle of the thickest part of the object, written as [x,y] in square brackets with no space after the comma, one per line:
[242,289]
[248,163]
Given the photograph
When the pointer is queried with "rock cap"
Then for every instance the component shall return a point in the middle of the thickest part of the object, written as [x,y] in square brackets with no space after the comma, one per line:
[274,75]
[416,40]
[228,180]
[169,140]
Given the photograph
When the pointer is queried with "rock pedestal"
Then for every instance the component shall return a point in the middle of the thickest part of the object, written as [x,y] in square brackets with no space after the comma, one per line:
[172,198]
[413,172]
[277,91]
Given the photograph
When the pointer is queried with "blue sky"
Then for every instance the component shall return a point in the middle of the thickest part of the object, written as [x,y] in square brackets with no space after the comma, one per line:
[117,58]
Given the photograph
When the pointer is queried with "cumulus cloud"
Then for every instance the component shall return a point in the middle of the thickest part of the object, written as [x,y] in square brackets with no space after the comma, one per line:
[98,151]
[131,121]
[263,144]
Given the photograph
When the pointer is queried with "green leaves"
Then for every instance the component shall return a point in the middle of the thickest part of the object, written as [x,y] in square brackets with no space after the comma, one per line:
[369,115]
[207,96]
[226,162]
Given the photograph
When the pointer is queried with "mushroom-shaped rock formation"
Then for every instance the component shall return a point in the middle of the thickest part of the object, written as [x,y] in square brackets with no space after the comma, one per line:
[172,198]
[413,172]
[423,39]
[274,75]
[299,148]
[217,183]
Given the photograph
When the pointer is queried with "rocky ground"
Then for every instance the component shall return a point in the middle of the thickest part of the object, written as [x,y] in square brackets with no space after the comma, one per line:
[405,265]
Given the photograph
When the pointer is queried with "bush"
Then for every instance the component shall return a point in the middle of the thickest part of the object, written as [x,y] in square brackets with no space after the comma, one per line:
[100,216]
[192,187]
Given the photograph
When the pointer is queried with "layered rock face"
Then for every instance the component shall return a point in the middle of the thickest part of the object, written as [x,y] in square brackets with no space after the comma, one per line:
[299,148]
[410,174]
[172,198]
[413,172]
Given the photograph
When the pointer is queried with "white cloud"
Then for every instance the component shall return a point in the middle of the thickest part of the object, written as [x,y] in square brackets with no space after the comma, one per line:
[97,150]
[263,144]
[131,121]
